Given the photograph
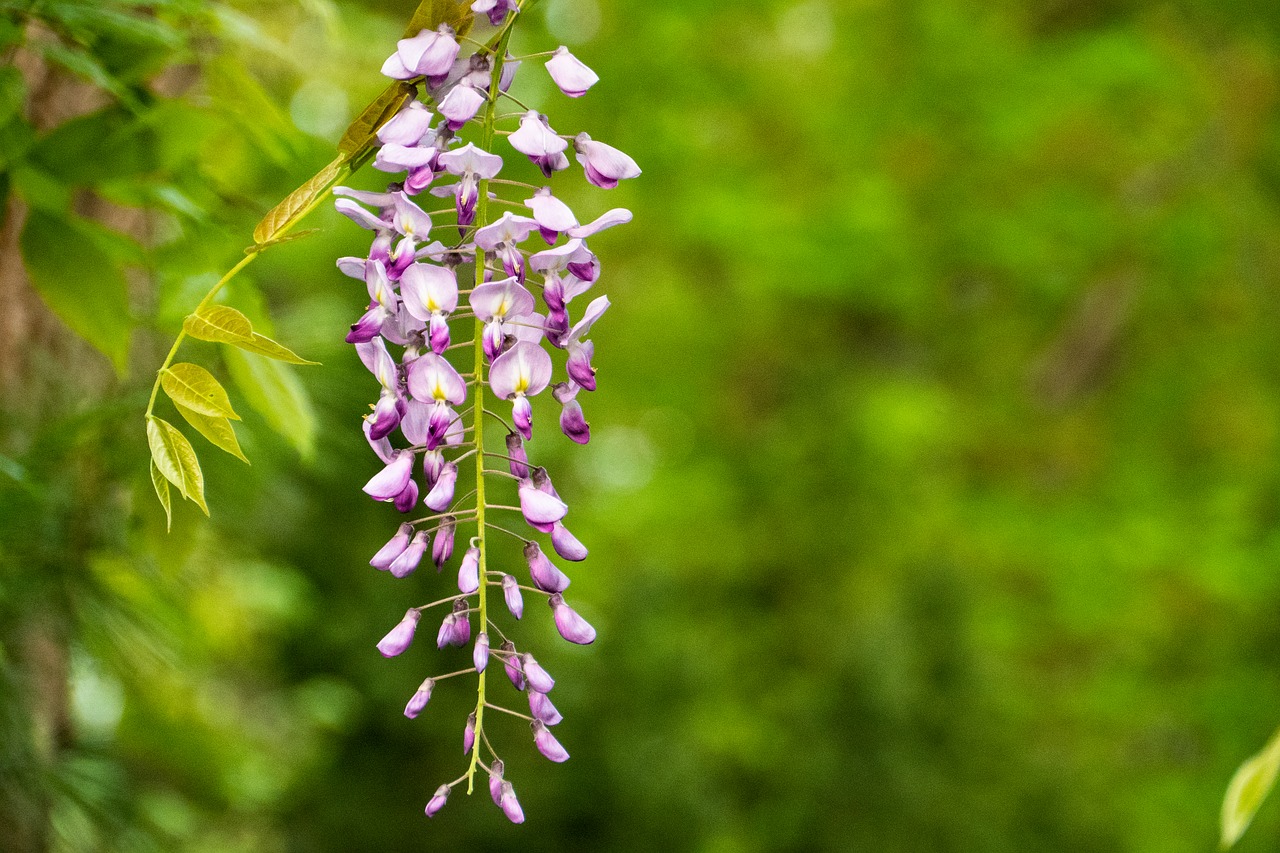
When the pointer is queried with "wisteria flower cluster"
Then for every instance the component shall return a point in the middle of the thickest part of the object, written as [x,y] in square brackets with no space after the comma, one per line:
[518,298]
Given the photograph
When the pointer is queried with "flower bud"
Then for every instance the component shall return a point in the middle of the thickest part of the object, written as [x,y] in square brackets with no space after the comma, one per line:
[566,544]
[408,560]
[547,744]
[394,548]
[407,499]
[570,75]
[538,678]
[469,571]
[519,460]
[511,663]
[571,626]
[511,592]
[399,637]
[541,708]
[469,734]
[495,782]
[480,655]
[442,548]
[391,480]
[437,802]
[420,699]
[441,494]
[538,507]
[546,576]
[510,805]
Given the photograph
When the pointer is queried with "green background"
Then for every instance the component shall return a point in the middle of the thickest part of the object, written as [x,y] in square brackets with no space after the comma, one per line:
[932,495]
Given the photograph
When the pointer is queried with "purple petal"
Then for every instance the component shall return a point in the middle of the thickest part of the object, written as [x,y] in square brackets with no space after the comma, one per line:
[551,213]
[431,377]
[437,802]
[469,734]
[522,415]
[394,548]
[401,158]
[429,53]
[519,461]
[570,75]
[566,544]
[604,164]
[442,549]
[511,594]
[411,556]
[547,744]
[441,494]
[408,498]
[495,781]
[579,364]
[535,138]
[541,708]
[501,299]
[539,507]
[571,626]
[471,160]
[546,576]
[469,571]
[539,679]
[392,479]
[617,216]
[523,369]
[480,655]
[420,699]
[511,663]
[406,127]
[461,105]
[510,805]
[573,423]
[399,637]
[427,289]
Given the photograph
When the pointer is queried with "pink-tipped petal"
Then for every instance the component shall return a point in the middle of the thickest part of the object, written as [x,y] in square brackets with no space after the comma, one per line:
[420,699]
[571,626]
[544,573]
[547,744]
[566,544]
[539,507]
[392,479]
[441,494]
[511,594]
[480,654]
[394,548]
[436,803]
[404,565]
[541,708]
[539,679]
[469,571]
[399,637]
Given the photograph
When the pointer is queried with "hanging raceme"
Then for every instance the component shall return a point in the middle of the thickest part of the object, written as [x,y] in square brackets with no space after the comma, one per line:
[484,276]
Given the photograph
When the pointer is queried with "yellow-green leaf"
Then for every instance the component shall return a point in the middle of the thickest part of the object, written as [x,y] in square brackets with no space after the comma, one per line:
[361,132]
[430,14]
[192,386]
[218,430]
[1248,788]
[274,391]
[220,323]
[288,212]
[176,459]
[262,345]
[161,485]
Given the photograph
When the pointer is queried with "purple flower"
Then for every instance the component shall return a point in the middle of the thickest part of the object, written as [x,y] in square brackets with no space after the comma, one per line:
[580,351]
[471,165]
[541,708]
[511,663]
[604,164]
[519,460]
[496,10]
[420,699]
[429,54]
[510,805]
[442,548]
[382,305]
[547,744]
[406,127]
[455,630]
[536,140]
[546,576]
[539,507]
[469,734]
[566,544]
[394,548]
[503,237]
[434,380]
[469,571]
[511,594]
[399,637]
[552,215]
[607,220]
[499,304]
[573,423]
[430,294]
[519,373]
[407,499]
[411,556]
[495,781]
[441,494]
[537,677]
[480,655]
[461,104]
[571,626]
[571,76]
[437,802]
[391,480]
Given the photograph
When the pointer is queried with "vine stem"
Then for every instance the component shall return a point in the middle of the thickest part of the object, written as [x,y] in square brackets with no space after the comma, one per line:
[482,214]
[250,256]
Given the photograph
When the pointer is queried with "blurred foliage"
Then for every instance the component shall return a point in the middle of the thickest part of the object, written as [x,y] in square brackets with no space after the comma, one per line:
[933,494]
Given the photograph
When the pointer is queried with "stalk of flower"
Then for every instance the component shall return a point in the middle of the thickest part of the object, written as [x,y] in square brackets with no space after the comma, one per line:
[414,300]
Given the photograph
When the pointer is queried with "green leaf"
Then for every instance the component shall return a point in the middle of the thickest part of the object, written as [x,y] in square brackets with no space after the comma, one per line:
[176,459]
[110,144]
[274,391]
[92,298]
[192,386]
[362,131]
[1249,787]
[161,486]
[288,212]
[218,430]
[262,345]
[430,14]
[219,323]
[80,63]
[13,92]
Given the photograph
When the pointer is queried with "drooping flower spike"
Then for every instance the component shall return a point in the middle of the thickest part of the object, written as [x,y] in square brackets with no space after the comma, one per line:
[524,342]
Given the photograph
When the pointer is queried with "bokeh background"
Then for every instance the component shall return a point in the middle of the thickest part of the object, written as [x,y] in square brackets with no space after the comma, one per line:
[933,493]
